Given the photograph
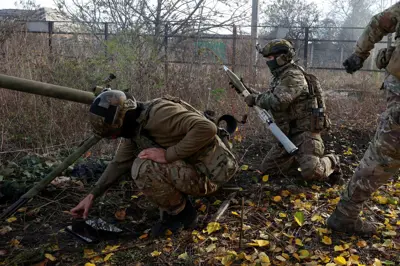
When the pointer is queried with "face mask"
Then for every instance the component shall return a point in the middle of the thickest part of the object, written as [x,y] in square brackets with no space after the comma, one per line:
[272,64]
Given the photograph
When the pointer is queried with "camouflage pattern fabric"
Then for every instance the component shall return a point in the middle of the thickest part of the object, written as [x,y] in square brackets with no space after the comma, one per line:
[381,160]
[309,162]
[290,104]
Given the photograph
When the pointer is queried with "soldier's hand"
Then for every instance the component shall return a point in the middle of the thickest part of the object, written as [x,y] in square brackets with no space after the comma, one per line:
[250,100]
[82,209]
[353,63]
[154,154]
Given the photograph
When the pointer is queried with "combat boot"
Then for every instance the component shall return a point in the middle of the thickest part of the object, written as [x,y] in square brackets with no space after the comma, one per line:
[186,219]
[336,178]
[351,225]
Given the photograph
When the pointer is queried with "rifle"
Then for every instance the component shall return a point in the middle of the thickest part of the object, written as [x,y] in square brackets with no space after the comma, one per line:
[263,114]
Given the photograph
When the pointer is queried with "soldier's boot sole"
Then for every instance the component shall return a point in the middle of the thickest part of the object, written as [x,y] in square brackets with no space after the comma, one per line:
[350,225]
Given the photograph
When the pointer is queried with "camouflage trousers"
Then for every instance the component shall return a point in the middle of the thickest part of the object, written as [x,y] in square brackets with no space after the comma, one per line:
[382,158]
[167,184]
[309,160]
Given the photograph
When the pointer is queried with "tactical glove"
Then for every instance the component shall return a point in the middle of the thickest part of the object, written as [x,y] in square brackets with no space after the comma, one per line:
[250,100]
[353,63]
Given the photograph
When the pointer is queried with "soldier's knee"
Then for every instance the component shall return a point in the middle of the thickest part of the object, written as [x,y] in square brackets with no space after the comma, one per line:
[311,169]
[139,169]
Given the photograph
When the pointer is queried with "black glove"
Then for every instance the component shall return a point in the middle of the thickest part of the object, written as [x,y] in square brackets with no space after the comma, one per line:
[353,63]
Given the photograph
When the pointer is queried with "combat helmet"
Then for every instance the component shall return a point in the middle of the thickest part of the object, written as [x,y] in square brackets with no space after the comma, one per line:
[281,47]
[108,110]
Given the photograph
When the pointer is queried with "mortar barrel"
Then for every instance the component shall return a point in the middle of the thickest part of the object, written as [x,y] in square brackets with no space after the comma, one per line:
[45,89]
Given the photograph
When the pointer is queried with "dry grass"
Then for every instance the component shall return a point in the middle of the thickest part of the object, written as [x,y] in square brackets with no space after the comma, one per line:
[34,122]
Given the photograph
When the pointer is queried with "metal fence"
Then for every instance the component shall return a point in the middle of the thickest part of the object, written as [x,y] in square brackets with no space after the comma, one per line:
[316,47]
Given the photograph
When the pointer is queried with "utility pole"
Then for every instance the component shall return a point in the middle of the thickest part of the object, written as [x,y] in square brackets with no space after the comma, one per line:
[254,30]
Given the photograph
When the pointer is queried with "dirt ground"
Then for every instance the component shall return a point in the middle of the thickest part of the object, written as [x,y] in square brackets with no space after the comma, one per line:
[283,221]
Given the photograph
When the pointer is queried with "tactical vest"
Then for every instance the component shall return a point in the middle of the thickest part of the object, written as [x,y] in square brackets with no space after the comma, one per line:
[214,161]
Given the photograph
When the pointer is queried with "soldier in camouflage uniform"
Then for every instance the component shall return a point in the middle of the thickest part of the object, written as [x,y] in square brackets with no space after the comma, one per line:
[291,104]
[382,158]
[171,150]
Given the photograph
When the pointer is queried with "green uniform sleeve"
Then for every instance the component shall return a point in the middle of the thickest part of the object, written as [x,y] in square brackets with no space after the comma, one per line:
[291,86]
[380,25]
[121,164]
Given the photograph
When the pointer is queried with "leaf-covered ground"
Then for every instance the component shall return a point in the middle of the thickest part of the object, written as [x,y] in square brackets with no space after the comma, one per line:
[283,219]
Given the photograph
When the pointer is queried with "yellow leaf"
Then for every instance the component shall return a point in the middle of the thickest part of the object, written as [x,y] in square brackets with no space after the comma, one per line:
[354,259]
[109,248]
[317,188]
[282,215]
[326,240]
[340,260]
[263,258]
[88,253]
[203,208]
[183,256]
[155,253]
[23,209]
[11,219]
[265,178]
[298,242]
[330,264]
[361,244]
[217,202]
[143,236]
[244,256]
[381,200]
[244,167]
[398,223]
[137,196]
[338,248]
[97,259]
[277,198]
[377,262]
[14,243]
[106,258]
[322,231]
[89,264]
[299,218]
[236,214]
[50,257]
[285,193]
[211,247]
[304,254]
[348,152]
[212,227]
[317,218]
[168,232]
[258,243]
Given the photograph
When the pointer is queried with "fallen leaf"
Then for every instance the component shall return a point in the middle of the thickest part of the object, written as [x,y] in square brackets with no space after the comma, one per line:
[168,232]
[348,152]
[317,218]
[109,248]
[203,208]
[87,253]
[299,218]
[137,196]
[377,262]
[15,243]
[265,178]
[89,264]
[155,253]
[5,229]
[326,240]
[11,219]
[304,254]
[340,260]
[50,257]
[217,202]
[298,242]
[280,258]
[108,256]
[244,167]
[338,248]
[282,215]
[244,256]
[23,209]
[277,198]
[212,227]
[264,258]
[259,243]
[210,248]
[285,193]
[143,236]
[183,256]
[120,214]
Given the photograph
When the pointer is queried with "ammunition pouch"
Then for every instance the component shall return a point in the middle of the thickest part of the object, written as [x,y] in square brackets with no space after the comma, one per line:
[319,120]
[393,66]
[383,57]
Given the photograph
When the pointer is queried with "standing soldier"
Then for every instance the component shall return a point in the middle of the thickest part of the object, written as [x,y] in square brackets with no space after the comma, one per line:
[382,158]
[171,150]
[296,103]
